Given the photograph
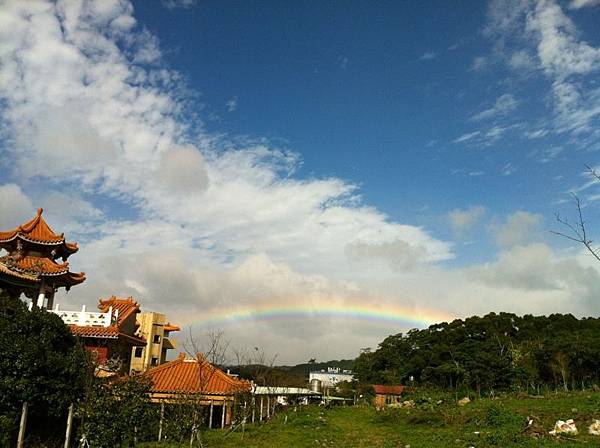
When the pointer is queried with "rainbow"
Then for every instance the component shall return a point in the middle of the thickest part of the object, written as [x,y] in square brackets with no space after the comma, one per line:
[385,315]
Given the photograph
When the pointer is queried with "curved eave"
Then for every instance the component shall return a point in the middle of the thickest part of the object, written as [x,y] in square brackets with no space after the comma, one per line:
[71,279]
[64,249]
[18,278]
[23,278]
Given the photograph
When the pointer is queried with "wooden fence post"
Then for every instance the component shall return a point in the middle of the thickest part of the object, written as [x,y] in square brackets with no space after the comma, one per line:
[160,423]
[22,425]
[268,407]
[69,426]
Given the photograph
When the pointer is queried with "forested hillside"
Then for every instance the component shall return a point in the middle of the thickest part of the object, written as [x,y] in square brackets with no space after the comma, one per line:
[497,351]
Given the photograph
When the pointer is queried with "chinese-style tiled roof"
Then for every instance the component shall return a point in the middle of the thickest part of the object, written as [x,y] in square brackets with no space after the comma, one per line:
[35,265]
[37,231]
[35,268]
[171,327]
[124,306]
[194,376]
[111,332]
[7,272]
[89,331]
[388,390]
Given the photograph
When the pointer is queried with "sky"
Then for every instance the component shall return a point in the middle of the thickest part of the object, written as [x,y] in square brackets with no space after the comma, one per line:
[308,177]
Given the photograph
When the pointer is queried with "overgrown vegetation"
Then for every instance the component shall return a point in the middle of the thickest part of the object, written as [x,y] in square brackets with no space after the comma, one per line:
[436,421]
[495,352]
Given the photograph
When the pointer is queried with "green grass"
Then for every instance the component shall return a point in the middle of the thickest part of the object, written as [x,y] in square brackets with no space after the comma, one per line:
[482,423]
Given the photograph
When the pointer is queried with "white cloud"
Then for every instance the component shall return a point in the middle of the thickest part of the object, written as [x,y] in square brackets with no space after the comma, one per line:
[519,228]
[183,170]
[397,254]
[560,52]
[467,137]
[15,207]
[542,28]
[504,104]
[534,268]
[232,104]
[577,4]
[172,4]
[521,60]
[464,220]
[428,55]
[508,169]
[479,64]
[539,133]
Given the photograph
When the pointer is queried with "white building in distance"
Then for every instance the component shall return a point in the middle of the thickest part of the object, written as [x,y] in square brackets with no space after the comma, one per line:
[331,377]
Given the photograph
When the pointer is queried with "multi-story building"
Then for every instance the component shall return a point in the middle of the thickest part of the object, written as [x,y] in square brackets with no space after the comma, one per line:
[155,329]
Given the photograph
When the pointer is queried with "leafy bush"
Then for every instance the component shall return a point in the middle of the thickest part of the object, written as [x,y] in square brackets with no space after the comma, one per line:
[118,412]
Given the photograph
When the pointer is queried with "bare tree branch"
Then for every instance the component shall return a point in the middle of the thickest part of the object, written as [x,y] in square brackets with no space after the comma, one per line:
[578,232]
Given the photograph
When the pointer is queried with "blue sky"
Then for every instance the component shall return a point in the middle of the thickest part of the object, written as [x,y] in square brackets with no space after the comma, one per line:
[221,155]
[378,95]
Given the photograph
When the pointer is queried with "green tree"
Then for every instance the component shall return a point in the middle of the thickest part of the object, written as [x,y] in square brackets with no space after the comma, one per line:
[40,363]
[118,412]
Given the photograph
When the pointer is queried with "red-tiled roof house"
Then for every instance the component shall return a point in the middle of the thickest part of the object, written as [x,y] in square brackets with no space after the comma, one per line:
[197,379]
[386,395]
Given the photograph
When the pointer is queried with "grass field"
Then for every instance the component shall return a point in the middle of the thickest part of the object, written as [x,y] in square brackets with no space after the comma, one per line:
[481,423]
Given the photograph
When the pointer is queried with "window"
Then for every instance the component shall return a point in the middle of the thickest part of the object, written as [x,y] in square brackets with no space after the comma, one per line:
[154,362]
[157,339]
[139,351]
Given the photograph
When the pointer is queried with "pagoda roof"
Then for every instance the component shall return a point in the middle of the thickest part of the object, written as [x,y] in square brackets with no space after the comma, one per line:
[33,269]
[195,376]
[37,231]
[125,307]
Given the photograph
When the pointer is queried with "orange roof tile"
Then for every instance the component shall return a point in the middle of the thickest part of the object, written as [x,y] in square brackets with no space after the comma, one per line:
[34,268]
[124,306]
[388,390]
[23,276]
[35,265]
[171,327]
[89,331]
[194,376]
[39,232]
[111,332]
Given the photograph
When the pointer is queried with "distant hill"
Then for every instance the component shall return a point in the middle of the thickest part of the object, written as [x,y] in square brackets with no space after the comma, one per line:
[287,375]
[305,368]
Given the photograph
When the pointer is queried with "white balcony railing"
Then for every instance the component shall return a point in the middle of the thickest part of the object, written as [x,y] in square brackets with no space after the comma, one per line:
[85,318]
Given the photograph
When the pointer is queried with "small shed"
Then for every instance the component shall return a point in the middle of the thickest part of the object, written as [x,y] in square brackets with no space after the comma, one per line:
[386,395]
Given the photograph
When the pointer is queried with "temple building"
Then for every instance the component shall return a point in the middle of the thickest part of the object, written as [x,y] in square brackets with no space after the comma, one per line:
[155,329]
[109,334]
[31,267]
